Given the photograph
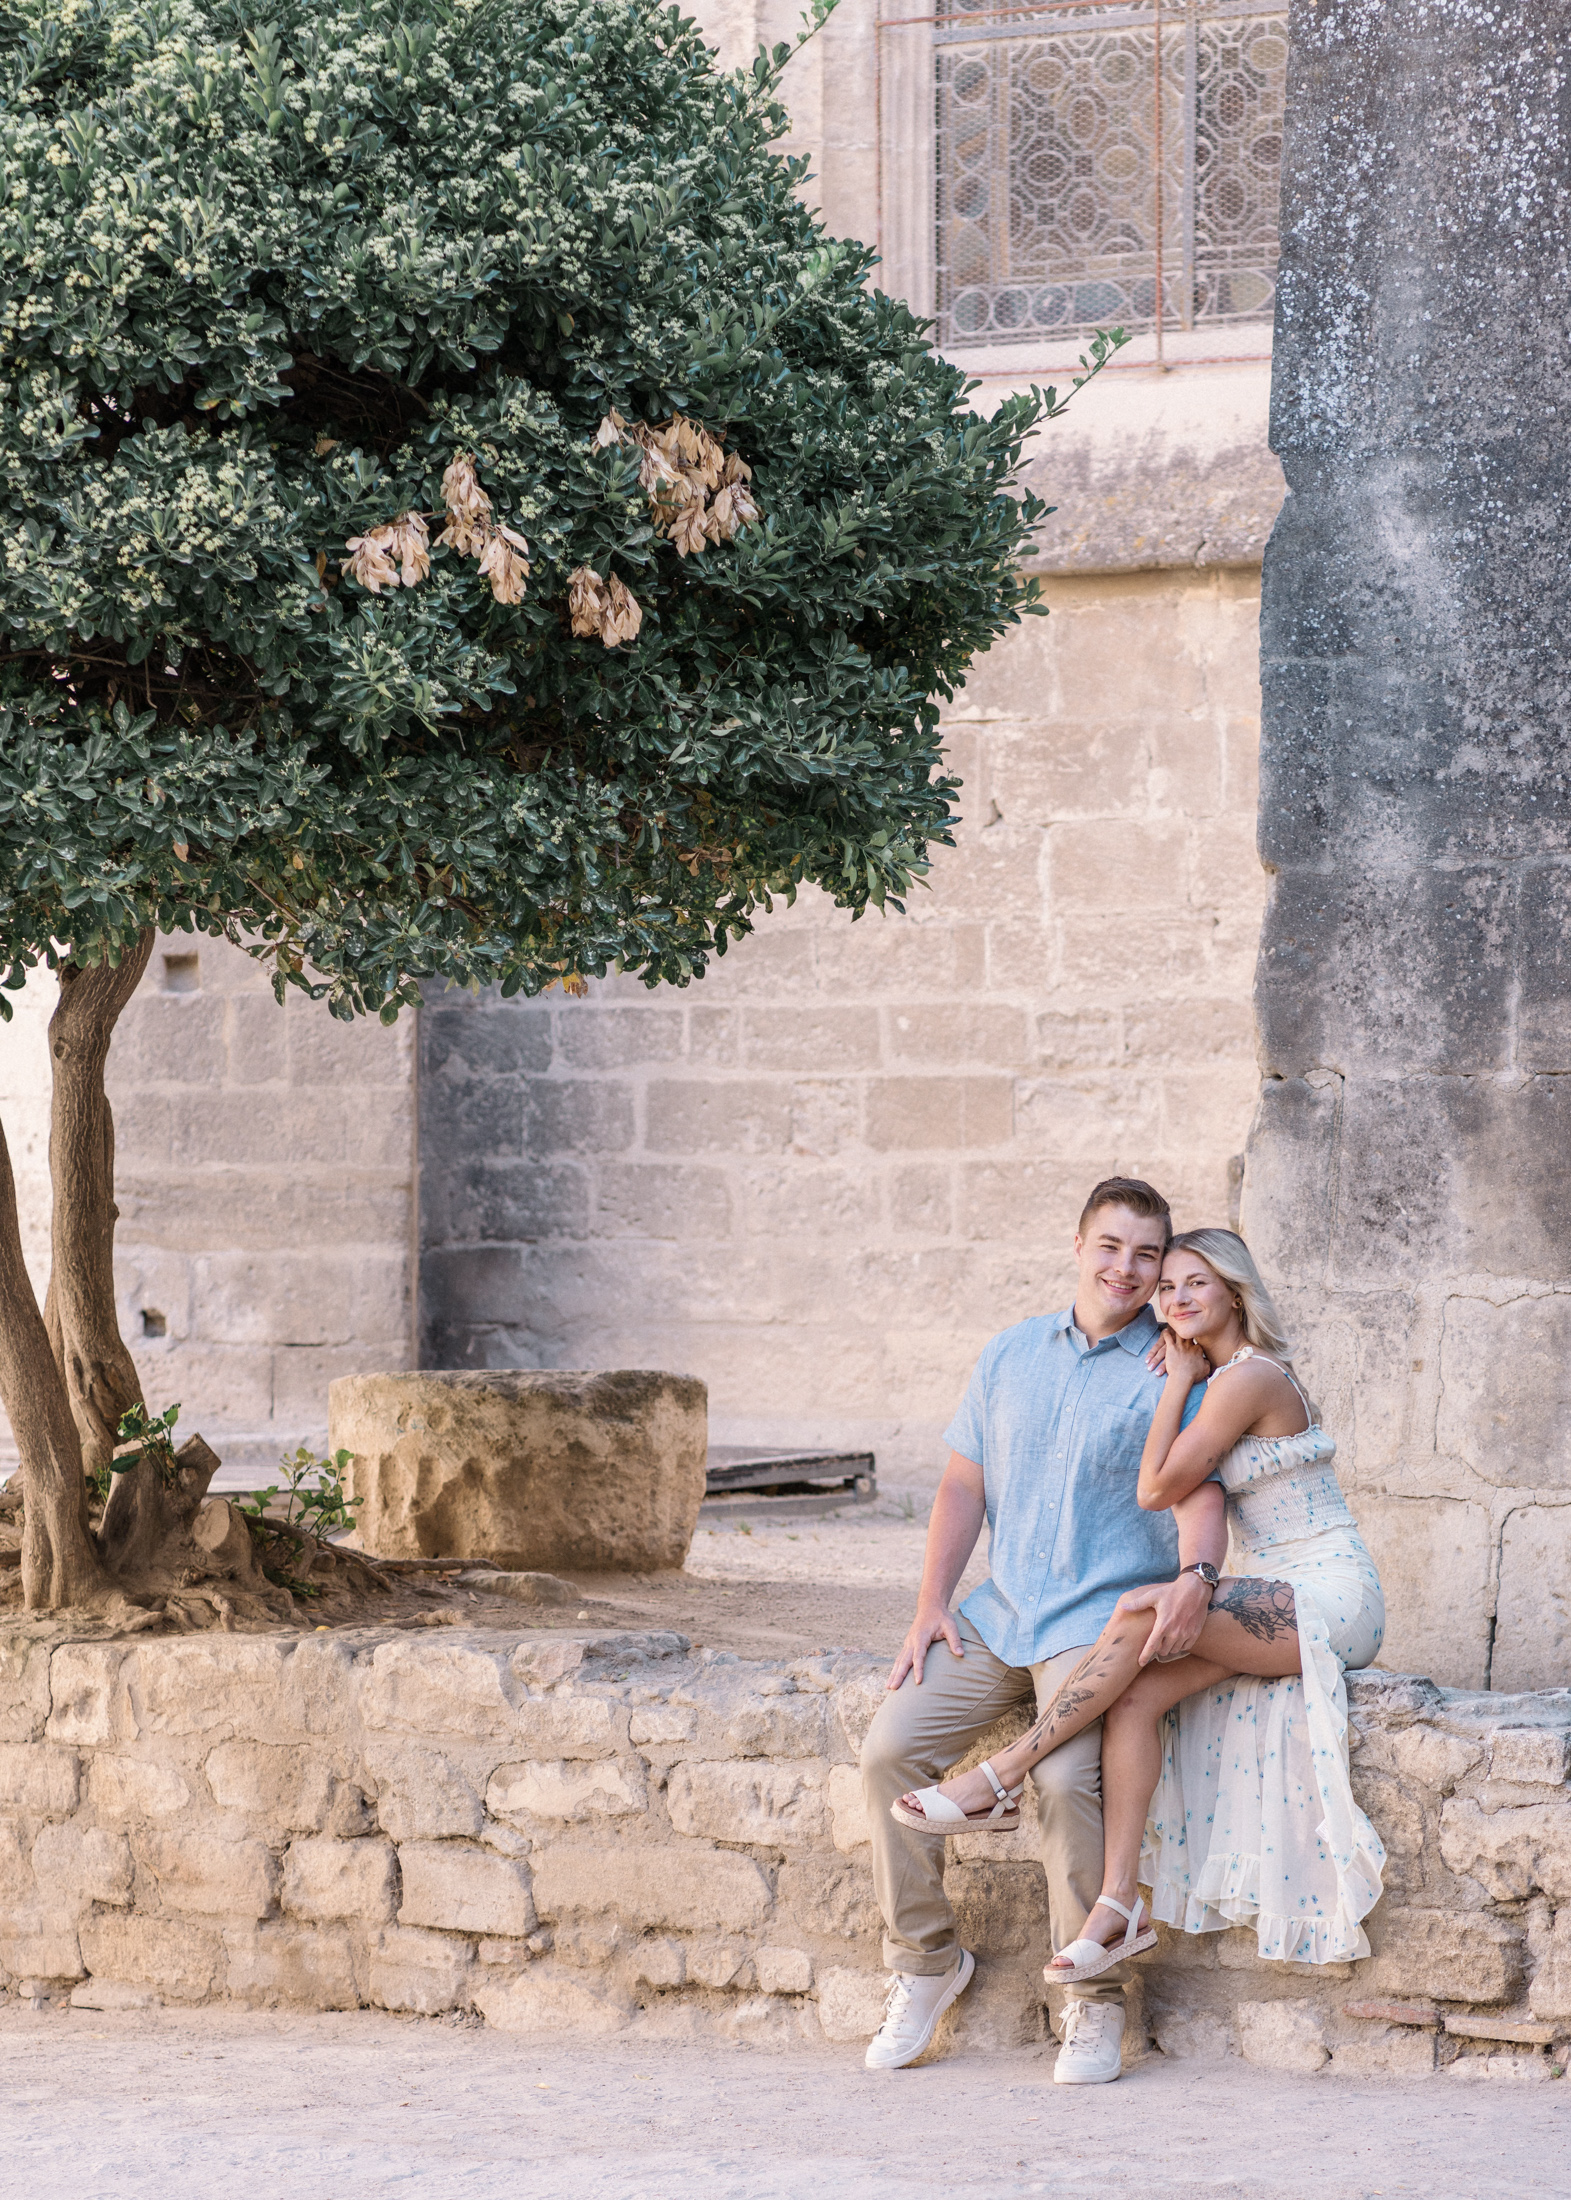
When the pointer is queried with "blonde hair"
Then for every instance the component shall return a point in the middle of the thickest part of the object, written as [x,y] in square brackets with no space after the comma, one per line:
[1226,1252]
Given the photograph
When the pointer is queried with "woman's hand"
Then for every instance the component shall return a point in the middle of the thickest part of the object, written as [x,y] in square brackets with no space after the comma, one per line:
[1175,1355]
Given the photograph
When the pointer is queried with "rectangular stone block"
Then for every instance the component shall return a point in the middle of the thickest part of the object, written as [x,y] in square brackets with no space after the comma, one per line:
[571,1726]
[121,1789]
[571,1792]
[290,1966]
[181,1962]
[592,1037]
[326,1880]
[577,1115]
[1430,1952]
[454,1887]
[420,1794]
[438,1688]
[288,1788]
[210,1877]
[24,1688]
[76,1866]
[88,1701]
[682,1886]
[783,1970]
[548,2000]
[817,1038]
[733,1115]
[31,1948]
[851,2002]
[1537,1756]
[1510,1853]
[848,1811]
[776,1804]
[421,1972]
[910,1113]
[196,1683]
[659,1200]
[37,1781]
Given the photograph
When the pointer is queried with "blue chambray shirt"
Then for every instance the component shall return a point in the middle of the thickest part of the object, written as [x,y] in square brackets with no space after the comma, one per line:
[1058,1426]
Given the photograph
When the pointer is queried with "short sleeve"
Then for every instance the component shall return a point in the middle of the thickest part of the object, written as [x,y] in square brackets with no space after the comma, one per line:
[966,1433]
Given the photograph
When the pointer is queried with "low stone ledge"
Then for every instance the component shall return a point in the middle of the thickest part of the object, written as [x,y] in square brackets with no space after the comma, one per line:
[606,1832]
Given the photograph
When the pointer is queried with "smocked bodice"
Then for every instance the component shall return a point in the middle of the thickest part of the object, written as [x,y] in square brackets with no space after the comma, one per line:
[1282,1488]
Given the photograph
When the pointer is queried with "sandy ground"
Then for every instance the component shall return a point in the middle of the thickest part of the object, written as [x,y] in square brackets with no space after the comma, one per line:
[170,2106]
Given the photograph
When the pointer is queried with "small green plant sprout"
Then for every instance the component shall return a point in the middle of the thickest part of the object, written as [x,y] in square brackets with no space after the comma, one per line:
[313,1494]
[141,1435]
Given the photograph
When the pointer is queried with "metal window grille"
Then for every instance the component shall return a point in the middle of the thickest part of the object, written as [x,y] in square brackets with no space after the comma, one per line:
[1106,163]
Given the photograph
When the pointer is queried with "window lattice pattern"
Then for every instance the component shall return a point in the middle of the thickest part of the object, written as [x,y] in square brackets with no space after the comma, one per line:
[1048,168]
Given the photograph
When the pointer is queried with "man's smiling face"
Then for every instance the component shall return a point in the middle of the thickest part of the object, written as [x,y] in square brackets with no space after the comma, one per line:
[1119,1258]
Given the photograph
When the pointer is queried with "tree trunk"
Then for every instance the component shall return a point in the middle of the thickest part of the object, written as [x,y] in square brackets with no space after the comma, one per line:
[84,1330]
[59,1562]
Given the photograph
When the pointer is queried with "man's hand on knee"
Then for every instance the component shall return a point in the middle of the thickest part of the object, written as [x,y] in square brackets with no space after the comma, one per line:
[1177,1612]
[926,1629]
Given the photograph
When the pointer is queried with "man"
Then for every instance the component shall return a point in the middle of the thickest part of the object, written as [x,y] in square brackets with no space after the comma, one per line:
[1046,1448]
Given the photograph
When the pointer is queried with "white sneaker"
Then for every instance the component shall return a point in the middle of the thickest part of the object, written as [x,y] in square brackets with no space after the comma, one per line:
[912,2012]
[1093,2049]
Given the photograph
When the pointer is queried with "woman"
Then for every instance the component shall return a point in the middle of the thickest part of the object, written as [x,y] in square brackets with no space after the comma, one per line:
[1237,1807]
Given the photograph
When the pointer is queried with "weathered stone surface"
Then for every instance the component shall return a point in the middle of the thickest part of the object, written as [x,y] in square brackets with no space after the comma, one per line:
[658,1961]
[537,1469]
[123,1788]
[1538,1756]
[1282,2035]
[1194,2035]
[1550,1993]
[38,1782]
[77,1865]
[421,1972]
[1435,1951]
[291,1966]
[783,1970]
[1387,2051]
[851,2003]
[420,1794]
[24,1688]
[30,1949]
[1511,1853]
[1403,1179]
[88,1700]
[180,1961]
[663,1722]
[546,1999]
[779,1804]
[451,1688]
[247,1685]
[214,1878]
[602,1788]
[463,1889]
[1533,1623]
[848,1811]
[719,1961]
[571,1726]
[325,1880]
[828,1895]
[684,1886]
[287,1788]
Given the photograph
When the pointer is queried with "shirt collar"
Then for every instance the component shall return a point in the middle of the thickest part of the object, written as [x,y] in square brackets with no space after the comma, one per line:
[1136,1337]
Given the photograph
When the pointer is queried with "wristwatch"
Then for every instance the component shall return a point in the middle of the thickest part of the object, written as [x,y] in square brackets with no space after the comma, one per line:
[1206,1571]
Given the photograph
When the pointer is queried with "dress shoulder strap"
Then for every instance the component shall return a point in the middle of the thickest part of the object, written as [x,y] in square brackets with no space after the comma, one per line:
[1248,1352]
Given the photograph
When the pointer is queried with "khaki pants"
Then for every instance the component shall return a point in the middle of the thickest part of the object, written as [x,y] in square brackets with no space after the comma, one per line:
[918,1734]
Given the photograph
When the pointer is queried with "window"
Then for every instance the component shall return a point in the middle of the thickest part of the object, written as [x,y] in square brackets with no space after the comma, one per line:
[1068,194]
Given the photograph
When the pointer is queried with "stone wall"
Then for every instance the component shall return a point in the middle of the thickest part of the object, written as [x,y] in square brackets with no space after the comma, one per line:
[1407,1172]
[824,1176]
[598,1833]
[265,1175]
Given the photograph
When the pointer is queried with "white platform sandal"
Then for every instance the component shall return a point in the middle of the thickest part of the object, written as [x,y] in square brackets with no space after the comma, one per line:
[937,1814]
[1084,1959]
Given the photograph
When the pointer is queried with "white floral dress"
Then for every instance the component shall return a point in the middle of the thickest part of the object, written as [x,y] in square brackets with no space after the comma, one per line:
[1253,1820]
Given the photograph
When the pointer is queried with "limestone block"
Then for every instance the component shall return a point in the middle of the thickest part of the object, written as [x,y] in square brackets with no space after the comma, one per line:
[682,1886]
[1386,2051]
[298,1966]
[1434,1953]
[88,1700]
[848,1811]
[464,1889]
[856,1703]
[16,1868]
[660,1961]
[123,1788]
[590,1946]
[717,1962]
[199,1682]
[1434,1556]
[76,1866]
[571,1726]
[421,1972]
[36,1781]
[288,1788]
[1520,2069]
[1511,1853]
[1282,2035]
[783,1970]
[1427,1759]
[420,1794]
[24,1688]
[602,1788]
[30,1948]
[110,1994]
[782,1805]
[1533,1616]
[1534,1755]
[663,1722]
[182,1962]
[740,1718]
[1196,2035]
[825,1895]
[210,1877]
[851,2003]
[544,1999]
[538,1469]
[326,1879]
[1550,1993]
[440,1687]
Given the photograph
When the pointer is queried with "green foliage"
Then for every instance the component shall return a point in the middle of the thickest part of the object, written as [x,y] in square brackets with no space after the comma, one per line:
[152,1434]
[265,271]
[313,1492]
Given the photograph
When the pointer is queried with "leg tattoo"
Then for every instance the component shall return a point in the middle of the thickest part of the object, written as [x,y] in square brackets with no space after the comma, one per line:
[1263,1609]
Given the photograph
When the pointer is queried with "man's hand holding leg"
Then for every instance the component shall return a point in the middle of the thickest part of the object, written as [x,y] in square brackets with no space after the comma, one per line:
[1179,1607]
[958,1512]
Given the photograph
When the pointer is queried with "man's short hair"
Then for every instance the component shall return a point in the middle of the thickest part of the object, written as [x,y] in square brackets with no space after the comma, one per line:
[1131,1192]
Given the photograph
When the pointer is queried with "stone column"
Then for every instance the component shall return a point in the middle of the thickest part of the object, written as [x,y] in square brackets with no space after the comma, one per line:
[1406,1176]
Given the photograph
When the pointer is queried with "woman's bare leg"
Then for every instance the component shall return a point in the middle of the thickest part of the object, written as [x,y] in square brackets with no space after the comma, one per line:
[1251,1628]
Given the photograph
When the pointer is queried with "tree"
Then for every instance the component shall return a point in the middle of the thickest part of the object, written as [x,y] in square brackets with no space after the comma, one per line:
[463,519]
